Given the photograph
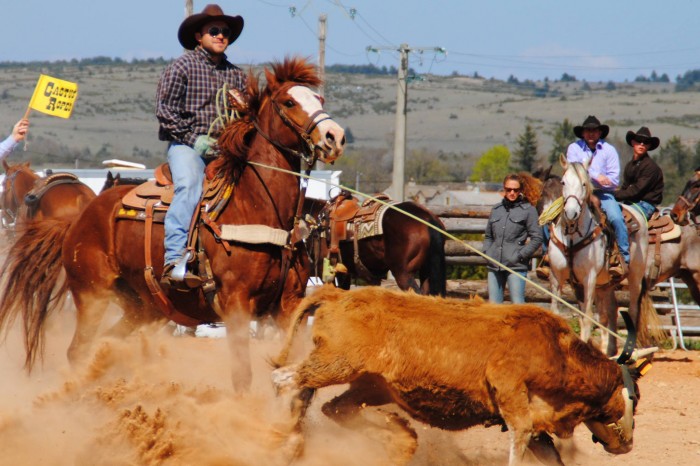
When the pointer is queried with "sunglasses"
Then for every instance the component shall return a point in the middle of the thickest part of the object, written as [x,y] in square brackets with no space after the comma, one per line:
[216,30]
[639,143]
[512,190]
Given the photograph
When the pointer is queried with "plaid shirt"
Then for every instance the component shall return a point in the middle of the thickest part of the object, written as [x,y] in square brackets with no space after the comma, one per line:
[185,105]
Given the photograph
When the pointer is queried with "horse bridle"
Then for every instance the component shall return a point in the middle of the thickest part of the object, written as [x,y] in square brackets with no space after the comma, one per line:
[302,131]
[594,231]
[690,206]
[9,214]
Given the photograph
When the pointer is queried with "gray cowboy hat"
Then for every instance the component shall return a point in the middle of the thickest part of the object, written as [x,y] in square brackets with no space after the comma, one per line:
[591,123]
[643,135]
[194,23]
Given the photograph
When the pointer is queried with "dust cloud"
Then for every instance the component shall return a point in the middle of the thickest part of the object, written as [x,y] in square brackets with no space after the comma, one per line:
[153,399]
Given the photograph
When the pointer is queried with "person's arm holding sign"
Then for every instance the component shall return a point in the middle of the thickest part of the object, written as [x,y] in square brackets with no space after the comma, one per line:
[19,132]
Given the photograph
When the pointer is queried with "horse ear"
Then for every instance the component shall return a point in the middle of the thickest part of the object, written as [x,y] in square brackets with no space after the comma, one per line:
[270,77]
[562,161]
[110,177]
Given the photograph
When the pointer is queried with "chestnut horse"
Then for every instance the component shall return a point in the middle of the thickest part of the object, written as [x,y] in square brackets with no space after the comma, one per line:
[281,125]
[55,196]
[687,205]
[407,248]
[681,257]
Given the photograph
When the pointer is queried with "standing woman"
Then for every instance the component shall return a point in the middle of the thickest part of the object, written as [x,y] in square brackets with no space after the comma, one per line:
[512,237]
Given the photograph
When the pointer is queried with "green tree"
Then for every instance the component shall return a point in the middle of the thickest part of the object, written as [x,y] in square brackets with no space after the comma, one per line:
[676,154]
[674,159]
[525,156]
[696,156]
[492,165]
[562,135]
[426,167]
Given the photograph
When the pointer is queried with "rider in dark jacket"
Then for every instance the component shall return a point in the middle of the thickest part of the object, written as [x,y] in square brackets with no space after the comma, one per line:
[642,181]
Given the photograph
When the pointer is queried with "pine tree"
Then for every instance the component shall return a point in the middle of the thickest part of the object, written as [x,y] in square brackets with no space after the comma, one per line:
[562,135]
[525,156]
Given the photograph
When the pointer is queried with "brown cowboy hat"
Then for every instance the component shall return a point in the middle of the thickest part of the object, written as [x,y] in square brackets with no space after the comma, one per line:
[591,123]
[194,23]
[643,135]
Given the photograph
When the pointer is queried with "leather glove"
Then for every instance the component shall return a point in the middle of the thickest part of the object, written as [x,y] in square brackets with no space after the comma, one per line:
[203,144]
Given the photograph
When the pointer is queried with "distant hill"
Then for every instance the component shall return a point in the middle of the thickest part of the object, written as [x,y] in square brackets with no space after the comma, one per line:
[455,117]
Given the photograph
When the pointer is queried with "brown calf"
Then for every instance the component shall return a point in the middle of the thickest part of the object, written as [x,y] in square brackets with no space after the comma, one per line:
[454,364]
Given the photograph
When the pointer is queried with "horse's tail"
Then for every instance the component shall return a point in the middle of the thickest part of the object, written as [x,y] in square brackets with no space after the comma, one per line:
[307,306]
[650,331]
[32,270]
[437,273]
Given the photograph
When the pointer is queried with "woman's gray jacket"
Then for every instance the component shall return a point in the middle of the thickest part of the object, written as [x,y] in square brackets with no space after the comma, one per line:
[507,231]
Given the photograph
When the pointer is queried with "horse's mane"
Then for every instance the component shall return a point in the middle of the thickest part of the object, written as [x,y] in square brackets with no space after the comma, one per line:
[582,173]
[234,140]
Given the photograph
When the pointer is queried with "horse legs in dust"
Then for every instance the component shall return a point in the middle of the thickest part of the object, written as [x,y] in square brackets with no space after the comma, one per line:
[90,310]
[237,317]
[91,306]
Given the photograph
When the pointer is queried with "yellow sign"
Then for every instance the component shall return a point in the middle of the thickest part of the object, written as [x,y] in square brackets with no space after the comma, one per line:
[54,96]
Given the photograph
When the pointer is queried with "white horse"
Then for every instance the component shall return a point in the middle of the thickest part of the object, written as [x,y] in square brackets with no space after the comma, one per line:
[577,252]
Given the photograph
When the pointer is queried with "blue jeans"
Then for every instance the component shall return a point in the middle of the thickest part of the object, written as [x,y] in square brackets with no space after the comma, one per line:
[497,282]
[187,169]
[614,214]
[646,208]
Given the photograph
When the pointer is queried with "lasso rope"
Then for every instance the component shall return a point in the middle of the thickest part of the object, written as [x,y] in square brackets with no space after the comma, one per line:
[451,236]
[225,113]
[552,211]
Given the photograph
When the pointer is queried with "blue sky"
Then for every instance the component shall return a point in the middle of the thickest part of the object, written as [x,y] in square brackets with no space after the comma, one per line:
[596,40]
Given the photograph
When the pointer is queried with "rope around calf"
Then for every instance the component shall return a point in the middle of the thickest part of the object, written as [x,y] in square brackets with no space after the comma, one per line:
[451,236]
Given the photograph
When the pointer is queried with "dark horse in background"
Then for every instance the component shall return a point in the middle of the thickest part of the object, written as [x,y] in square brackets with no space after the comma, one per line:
[117,180]
[27,196]
[281,125]
[407,248]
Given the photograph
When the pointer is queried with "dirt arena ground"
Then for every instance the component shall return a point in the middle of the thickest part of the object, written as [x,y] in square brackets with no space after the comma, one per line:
[159,399]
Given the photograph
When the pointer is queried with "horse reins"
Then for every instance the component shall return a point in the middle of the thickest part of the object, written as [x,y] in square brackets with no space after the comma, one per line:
[11,212]
[572,249]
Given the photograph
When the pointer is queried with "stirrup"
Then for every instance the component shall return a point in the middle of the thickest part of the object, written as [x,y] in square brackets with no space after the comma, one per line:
[177,276]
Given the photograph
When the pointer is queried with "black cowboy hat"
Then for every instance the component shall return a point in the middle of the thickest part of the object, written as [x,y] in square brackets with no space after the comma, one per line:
[643,135]
[591,123]
[194,23]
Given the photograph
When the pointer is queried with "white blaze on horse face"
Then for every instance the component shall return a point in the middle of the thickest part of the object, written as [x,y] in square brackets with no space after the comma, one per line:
[332,135]
[573,192]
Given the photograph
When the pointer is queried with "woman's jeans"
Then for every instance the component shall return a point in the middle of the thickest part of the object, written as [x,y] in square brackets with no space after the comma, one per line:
[497,282]
[187,169]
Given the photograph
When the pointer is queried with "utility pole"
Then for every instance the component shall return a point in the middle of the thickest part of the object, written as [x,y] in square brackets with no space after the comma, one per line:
[398,174]
[322,21]
[188,8]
